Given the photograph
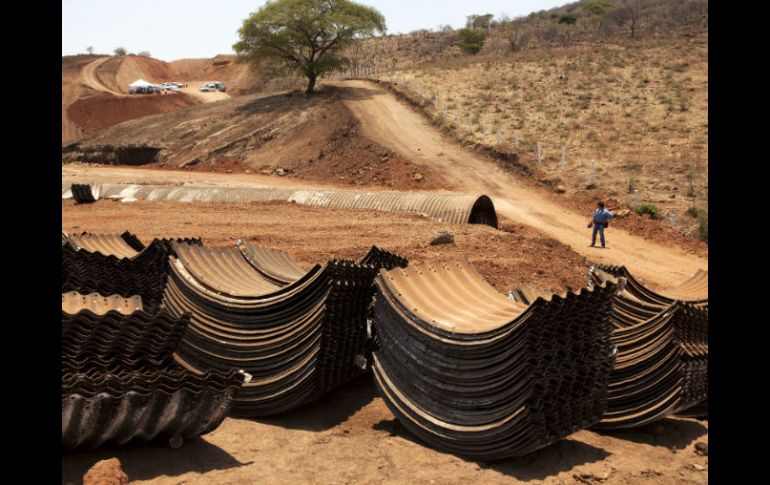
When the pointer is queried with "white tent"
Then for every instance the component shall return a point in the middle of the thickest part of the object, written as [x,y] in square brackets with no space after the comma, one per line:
[141,83]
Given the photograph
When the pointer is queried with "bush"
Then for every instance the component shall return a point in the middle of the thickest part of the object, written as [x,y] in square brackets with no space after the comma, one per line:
[702,216]
[120,51]
[472,40]
[703,226]
[648,209]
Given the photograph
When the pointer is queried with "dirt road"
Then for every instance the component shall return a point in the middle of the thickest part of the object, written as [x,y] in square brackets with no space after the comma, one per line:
[193,90]
[89,78]
[394,125]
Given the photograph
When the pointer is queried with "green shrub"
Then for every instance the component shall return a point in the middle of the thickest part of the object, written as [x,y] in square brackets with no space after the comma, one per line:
[472,40]
[648,209]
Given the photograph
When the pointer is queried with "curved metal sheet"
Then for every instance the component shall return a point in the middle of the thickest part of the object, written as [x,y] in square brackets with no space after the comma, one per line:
[73,302]
[106,244]
[476,374]
[452,208]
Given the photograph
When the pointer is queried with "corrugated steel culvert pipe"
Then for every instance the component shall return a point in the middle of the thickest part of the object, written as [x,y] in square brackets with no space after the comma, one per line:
[298,333]
[120,382]
[452,208]
[469,371]
[662,340]
[483,212]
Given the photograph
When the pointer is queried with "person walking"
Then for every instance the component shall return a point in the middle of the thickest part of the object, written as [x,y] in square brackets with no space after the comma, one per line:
[599,221]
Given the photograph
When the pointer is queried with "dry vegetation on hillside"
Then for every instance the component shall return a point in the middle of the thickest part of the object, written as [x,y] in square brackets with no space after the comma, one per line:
[640,112]
[636,106]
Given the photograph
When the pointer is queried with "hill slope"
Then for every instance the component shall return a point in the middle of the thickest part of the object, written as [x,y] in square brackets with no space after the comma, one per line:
[95,88]
[316,138]
[348,128]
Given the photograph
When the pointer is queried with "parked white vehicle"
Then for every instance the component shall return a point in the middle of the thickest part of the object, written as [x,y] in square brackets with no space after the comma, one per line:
[213,86]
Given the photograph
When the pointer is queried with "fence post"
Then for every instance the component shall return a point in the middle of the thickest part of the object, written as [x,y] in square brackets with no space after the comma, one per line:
[470,124]
[498,135]
[636,199]
[539,153]
[673,220]
[562,159]
[517,140]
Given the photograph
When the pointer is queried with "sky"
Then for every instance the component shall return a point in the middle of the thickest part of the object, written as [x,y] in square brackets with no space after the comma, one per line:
[183,29]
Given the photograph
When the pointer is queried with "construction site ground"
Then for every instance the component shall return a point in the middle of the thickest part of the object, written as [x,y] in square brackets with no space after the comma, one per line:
[350,436]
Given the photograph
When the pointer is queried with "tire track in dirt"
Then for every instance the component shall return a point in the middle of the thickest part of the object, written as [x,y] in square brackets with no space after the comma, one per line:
[89,78]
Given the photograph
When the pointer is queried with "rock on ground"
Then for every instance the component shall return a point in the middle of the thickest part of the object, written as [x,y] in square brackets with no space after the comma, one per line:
[443,237]
[106,472]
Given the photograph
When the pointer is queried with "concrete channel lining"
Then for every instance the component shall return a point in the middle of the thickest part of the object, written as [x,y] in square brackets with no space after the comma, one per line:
[452,208]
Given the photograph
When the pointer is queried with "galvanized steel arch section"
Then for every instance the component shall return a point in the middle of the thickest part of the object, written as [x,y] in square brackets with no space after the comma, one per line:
[451,208]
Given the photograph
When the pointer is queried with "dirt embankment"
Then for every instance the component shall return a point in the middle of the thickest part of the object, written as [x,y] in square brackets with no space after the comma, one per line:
[96,113]
[504,257]
[316,139]
[95,88]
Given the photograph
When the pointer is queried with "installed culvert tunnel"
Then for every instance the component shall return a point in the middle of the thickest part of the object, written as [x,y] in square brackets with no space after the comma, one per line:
[483,212]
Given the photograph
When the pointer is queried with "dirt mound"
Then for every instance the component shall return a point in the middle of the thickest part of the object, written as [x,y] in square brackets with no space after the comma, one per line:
[105,80]
[314,138]
[96,113]
[240,78]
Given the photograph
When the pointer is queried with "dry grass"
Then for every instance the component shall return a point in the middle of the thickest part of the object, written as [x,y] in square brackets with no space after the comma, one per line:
[640,111]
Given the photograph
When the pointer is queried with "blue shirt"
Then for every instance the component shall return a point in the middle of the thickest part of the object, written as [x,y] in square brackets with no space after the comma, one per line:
[602,215]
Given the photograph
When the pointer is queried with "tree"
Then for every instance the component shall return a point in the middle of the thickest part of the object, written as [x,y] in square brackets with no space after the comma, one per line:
[472,40]
[145,53]
[90,49]
[516,39]
[568,20]
[479,21]
[598,9]
[120,51]
[628,13]
[306,36]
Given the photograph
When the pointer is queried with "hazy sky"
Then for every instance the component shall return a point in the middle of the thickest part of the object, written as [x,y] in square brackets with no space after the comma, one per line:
[177,29]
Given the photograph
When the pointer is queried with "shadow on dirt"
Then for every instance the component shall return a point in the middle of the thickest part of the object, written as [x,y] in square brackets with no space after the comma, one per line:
[539,465]
[331,409]
[145,461]
[675,433]
[296,100]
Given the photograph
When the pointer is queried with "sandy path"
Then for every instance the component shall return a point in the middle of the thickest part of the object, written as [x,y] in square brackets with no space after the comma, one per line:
[395,125]
[193,90]
[88,75]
